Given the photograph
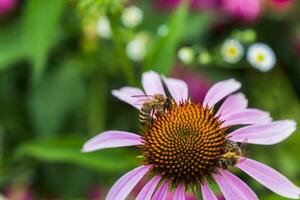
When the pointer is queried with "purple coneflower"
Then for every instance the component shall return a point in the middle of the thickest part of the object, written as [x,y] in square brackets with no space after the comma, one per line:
[6,6]
[182,146]
[248,10]
[195,4]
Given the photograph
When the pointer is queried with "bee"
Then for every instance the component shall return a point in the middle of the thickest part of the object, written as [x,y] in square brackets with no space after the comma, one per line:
[156,103]
[232,155]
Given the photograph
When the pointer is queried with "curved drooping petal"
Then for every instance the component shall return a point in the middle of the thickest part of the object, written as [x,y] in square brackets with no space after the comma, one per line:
[234,188]
[109,139]
[161,192]
[233,104]
[177,88]
[148,189]
[179,193]
[270,178]
[267,134]
[129,95]
[220,90]
[152,83]
[121,189]
[246,116]
[207,193]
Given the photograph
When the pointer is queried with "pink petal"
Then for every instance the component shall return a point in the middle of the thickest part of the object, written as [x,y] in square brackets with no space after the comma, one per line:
[148,189]
[152,83]
[177,88]
[127,94]
[234,188]
[267,134]
[270,178]
[121,189]
[220,90]
[246,116]
[161,192]
[179,193]
[232,104]
[207,193]
[110,139]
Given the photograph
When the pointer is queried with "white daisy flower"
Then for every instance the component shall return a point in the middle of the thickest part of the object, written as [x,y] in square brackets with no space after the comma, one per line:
[137,48]
[163,30]
[261,57]
[186,55]
[232,51]
[103,28]
[132,16]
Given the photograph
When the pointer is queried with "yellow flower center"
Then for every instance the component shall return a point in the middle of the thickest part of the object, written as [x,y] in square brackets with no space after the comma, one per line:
[260,57]
[184,143]
[232,52]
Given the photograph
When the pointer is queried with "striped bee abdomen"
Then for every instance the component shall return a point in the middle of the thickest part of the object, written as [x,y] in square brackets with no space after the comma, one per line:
[145,113]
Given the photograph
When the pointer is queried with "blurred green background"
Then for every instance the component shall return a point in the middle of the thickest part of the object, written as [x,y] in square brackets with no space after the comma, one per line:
[57,72]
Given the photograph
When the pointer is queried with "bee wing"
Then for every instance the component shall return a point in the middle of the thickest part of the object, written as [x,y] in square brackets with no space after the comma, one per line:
[142,95]
[242,158]
[244,144]
[141,99]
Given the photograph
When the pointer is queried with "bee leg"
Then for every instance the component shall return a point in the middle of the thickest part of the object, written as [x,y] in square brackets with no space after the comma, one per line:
[151,118]
[222,163]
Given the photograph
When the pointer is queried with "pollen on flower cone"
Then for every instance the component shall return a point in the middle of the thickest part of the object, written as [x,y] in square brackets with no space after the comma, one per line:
[184,143]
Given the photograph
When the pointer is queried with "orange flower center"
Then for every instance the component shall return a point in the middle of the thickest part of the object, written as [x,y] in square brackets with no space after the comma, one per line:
[184,143]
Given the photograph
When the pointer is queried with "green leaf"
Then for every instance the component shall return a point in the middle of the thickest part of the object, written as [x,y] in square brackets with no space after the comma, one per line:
[273,196]
[273,92]
[55,97]
[160,56]
[97,103]
[11,49]
[196,24]
[181,26]
[1,144]
[40,26]
[67,150]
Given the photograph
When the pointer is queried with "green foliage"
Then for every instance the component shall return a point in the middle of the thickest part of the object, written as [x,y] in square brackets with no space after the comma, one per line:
[67,150]
[181,25]
[57,74]
[57,95]
[273,92]
[161,55]
[12,47]
[33,36]
[93,9]
[40,31]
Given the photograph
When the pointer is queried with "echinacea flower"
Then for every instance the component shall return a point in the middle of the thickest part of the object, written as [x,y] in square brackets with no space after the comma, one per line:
[195,4]
[232,50]
[243,9]
[261,57]
[182,146]
[281,5]
[7,5]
